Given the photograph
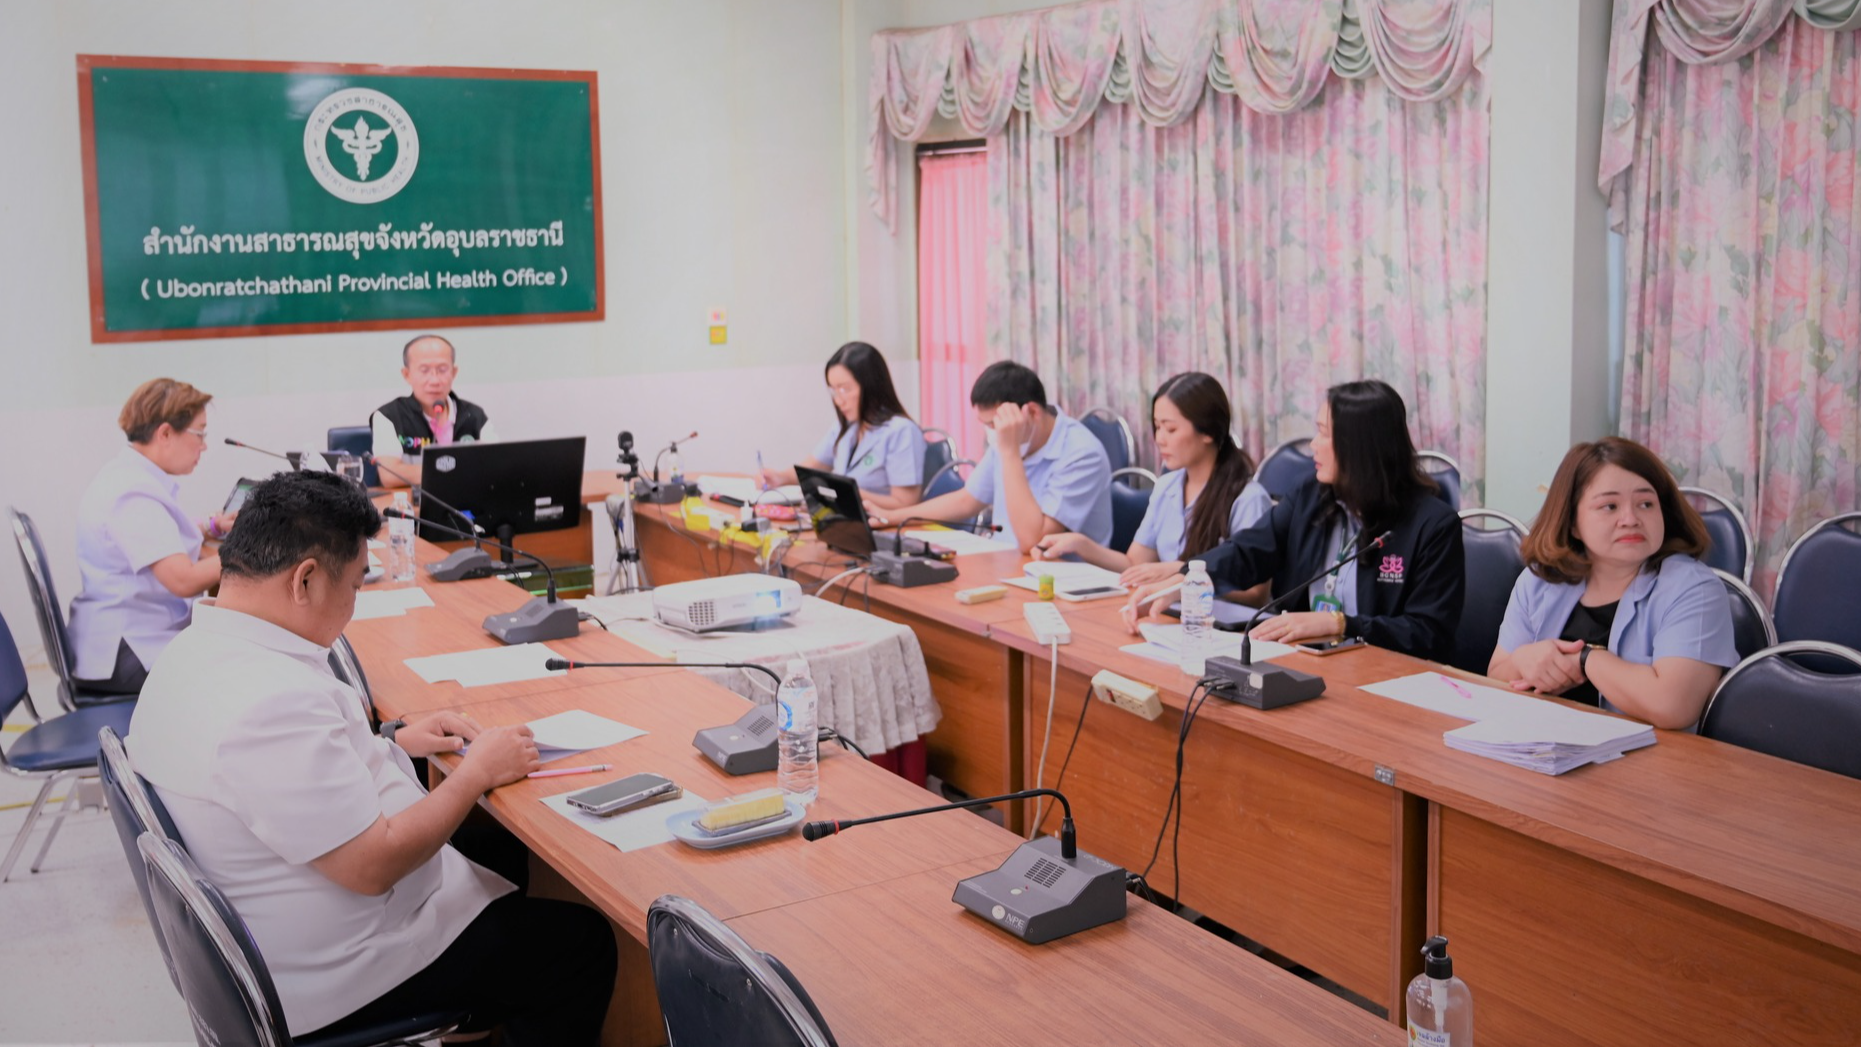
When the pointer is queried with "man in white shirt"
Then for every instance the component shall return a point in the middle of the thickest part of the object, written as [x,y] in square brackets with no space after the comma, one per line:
[316,828]
[429,415]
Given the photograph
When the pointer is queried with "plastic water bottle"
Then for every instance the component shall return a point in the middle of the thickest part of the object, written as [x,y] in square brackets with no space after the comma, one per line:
[401,540]
[1440,1006]
[798,751]
[1198,604]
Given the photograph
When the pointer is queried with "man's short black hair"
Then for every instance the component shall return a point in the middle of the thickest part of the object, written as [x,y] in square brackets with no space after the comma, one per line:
[293,517]
[1007,382]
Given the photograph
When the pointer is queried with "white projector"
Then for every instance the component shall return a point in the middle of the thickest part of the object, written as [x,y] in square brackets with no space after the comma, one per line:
[726,603]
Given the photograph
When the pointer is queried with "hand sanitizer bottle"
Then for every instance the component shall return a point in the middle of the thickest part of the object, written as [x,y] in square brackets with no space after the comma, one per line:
[1440,1006]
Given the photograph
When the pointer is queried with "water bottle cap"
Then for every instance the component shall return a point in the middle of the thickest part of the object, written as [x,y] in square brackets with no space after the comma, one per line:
[1198,565]
[797,667]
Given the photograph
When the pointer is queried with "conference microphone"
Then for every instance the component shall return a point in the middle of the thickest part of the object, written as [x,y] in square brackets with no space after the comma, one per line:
[460,563]
[296,458]
[746,746]
[1270,686]
[910,570]
[673,490]
[541,618]
[1046,889]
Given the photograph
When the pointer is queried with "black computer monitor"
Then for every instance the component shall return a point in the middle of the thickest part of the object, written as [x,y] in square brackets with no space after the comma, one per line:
[508,488]
[838,515]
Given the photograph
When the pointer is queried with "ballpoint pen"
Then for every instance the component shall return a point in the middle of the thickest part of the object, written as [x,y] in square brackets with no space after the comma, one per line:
[560,771]
[762,479]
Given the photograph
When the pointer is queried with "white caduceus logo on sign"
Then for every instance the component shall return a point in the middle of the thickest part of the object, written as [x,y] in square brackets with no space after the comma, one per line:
[362,142]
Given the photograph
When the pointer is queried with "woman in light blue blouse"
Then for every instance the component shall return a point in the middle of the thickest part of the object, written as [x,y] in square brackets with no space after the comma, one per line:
[1208,493]
[873,441]
[1614,608]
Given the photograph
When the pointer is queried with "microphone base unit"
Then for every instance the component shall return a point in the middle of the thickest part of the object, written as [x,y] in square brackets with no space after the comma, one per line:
[463,564]
[747,746]
[1038,896]
[1262,685]
[908,571]
[670,492]
[537,620]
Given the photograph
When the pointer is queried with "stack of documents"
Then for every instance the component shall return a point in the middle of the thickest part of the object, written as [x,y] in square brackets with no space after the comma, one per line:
[963,543]
[1067,577]
[1518,729]
[1163,642]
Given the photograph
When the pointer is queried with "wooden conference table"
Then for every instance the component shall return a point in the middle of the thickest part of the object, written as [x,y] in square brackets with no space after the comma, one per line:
[1693,892]
[864,919]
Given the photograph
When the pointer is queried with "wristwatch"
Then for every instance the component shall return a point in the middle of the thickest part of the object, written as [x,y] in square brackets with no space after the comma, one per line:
[388,727]
[1583,659]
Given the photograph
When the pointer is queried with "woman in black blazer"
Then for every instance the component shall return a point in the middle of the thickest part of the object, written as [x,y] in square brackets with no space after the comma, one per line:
[1405,595]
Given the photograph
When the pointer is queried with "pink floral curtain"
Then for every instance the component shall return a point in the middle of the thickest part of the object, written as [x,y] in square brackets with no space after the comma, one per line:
[953,210]
[1281,253]
[1731,156]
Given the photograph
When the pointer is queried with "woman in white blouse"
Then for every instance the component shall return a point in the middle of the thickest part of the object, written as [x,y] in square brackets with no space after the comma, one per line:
[873,440]
[138,550]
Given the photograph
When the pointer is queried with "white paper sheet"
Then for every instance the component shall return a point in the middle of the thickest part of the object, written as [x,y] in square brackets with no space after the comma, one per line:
[963,543]
[388,603]
[578,730]
[1168,636]
[488,666]
[1445,694]
[744,488]
[629,830]
[1515,728]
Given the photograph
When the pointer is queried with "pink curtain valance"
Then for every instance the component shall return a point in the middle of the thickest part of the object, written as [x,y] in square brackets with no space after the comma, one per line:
[1697,32]
[1058,64]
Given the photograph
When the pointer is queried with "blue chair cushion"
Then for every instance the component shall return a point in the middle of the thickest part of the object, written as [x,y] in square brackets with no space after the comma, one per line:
[1728,542]
[70,740]
[1127,514]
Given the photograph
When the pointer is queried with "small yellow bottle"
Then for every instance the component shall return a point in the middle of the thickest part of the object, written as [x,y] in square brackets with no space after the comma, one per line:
[1046,587]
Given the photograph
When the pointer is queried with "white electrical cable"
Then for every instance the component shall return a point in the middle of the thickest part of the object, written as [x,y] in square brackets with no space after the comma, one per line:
[1040,769]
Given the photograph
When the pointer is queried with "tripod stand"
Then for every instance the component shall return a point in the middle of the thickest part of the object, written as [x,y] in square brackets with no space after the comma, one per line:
[629,574]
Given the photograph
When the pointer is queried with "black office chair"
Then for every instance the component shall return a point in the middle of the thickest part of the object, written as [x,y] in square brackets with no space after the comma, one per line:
[1819,590]
[1725,525]
[1286,467]
[358,440]
[228,989]
[937,453]
[62,749]
[1445,472]
[715,990]
[135,809]
[1111,431]
[1771,703]
[1128,504]
[1752,630]
[1493,568]
[348,669]
[51,615]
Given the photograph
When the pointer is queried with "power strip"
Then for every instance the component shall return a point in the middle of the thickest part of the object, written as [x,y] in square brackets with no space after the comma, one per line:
[1048,623]
[1138,699]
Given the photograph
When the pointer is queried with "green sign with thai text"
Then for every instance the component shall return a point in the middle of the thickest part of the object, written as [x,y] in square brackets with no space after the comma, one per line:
[230,198]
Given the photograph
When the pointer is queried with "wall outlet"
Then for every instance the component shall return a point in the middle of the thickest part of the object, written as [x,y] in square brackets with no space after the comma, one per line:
[1139,699]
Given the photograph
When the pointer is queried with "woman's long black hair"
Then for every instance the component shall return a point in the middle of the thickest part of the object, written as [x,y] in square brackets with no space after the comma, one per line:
[878,400]
[1378,475]
[1204,405]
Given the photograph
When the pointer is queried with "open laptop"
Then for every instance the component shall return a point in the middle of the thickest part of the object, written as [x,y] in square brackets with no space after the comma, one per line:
[835,509]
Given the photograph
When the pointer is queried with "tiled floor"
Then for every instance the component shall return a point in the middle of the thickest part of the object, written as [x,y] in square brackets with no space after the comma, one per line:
[81,964]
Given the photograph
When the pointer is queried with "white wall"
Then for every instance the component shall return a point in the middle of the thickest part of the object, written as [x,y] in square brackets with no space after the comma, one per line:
[723,186]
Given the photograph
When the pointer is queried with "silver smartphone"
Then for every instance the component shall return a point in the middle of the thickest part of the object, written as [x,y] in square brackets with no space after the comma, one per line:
[635,790]
[1333,646]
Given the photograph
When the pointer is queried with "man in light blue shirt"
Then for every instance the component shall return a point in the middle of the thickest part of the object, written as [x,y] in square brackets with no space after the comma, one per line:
[1044,473]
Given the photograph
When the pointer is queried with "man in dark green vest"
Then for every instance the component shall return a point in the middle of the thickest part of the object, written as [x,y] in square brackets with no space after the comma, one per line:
[430,414]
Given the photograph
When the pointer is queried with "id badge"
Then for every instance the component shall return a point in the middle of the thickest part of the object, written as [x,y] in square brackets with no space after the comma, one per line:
[1327,602]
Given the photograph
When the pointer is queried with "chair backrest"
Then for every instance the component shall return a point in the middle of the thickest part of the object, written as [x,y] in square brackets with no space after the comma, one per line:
[358,440]
[1771,703]
[134,810]
[1819,590]
[348,669]
[1752,630]
[947,479]
[1103,423]
[14,687]
[1493,567]
[1445,472]
[45,603]
[1725,525]
[715,990]
[1128,503]
[228,990]
[937,453]
[1286,467]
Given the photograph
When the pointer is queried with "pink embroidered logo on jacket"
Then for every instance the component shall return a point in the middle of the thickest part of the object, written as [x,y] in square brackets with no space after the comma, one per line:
[1391,570]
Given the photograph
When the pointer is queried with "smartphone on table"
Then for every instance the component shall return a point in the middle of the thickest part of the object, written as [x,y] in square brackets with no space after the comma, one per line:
[1332,645]
[625,794]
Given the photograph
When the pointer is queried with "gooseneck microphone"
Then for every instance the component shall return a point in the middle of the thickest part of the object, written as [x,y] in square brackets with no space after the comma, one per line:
[460,563]
[542,618]
[557,664]
[296,458]
[1046,889]
[1345,557]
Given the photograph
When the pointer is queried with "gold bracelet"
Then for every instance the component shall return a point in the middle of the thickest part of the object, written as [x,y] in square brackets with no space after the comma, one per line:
[1342,625]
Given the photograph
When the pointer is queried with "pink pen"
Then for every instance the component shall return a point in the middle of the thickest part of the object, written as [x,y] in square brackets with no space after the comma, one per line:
[560,771]
[1458,689]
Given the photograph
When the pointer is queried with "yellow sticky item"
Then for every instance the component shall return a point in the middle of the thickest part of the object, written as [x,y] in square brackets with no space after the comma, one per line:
[735,810]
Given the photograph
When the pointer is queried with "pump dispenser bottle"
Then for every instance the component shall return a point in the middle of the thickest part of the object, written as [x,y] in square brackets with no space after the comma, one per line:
[1440,1006]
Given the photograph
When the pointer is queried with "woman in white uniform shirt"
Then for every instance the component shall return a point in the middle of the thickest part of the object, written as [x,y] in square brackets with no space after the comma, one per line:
[138,551]
[873,441]
[1208,494]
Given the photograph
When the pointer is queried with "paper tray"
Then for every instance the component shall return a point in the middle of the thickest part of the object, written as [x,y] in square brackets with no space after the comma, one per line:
[684,827]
